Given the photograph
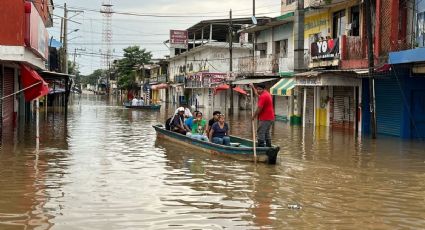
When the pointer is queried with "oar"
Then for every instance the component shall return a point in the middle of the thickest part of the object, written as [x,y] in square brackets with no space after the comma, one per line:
[253,127]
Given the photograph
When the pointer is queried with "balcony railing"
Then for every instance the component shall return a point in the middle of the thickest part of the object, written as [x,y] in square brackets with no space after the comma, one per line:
[352,47]
[270,64]
[179,79]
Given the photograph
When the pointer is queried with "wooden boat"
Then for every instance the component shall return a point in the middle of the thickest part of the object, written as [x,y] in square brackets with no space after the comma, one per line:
[147,107]
[240,149]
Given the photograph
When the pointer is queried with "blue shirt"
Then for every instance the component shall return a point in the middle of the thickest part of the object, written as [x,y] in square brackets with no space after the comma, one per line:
[189,122]
[220,132]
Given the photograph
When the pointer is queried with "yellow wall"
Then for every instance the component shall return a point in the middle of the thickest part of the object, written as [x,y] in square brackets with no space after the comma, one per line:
[316,23]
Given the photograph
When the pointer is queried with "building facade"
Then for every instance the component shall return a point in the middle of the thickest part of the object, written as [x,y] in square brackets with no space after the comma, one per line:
[23,41]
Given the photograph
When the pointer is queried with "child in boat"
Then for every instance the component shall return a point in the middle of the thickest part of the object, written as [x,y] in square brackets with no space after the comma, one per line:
[219,133]
[199,128]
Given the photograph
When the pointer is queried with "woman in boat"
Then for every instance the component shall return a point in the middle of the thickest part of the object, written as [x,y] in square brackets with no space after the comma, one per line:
[219,133]
[199,127]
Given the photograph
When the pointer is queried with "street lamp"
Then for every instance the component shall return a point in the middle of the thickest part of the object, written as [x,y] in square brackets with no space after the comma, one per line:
[73,31]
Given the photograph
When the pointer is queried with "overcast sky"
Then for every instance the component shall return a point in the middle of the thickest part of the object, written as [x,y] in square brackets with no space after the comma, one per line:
[147,32]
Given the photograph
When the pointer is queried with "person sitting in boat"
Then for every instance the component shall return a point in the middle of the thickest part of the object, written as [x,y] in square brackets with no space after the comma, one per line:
[213,120]
[141,102]
[134,102]
[177,123]
[187,112]
[189,121]
[219,133]
[199,127]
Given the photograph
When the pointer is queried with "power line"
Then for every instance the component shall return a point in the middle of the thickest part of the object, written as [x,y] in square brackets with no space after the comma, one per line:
[163,16]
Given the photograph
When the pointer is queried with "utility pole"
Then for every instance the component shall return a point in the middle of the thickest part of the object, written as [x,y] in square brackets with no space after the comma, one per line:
[253,8]
[231,59]
[299,53]
[253,41]
[65,40]
[370,58]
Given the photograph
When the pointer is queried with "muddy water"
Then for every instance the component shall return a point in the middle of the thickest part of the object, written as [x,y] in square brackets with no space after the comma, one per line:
[103,168]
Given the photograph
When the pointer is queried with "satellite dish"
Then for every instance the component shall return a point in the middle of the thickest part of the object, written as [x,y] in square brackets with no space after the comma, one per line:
[254,20]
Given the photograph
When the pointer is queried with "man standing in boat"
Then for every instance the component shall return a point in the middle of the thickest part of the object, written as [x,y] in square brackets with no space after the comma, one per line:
[265,114]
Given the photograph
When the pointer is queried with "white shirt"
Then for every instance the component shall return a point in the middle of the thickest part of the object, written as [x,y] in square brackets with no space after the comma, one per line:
[134,102]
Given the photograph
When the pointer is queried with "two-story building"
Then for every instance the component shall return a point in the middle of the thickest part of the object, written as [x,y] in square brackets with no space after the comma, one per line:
[205,64]
[154,81]
[23,49]
[400,94]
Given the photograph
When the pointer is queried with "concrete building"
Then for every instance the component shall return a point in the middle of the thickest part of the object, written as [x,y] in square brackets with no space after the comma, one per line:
[196,70]
[23,42]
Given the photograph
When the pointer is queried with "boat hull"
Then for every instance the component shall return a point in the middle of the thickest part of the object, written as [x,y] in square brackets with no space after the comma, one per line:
[244,153]
[147,107]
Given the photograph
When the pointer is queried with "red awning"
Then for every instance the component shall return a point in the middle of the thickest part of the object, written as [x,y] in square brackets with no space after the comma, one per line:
[240,90]
[34,85]
[226,87]
[159,86]
[221,87]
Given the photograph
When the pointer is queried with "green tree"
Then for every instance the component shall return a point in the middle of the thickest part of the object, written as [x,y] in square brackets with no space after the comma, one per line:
[92,78]
[126,67]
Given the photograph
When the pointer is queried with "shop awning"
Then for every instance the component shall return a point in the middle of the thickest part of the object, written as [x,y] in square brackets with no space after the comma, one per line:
[252,80]
[159,86]
[226,87]
[283,87]
[33,83]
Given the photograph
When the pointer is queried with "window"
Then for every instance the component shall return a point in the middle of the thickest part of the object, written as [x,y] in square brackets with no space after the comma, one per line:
[289,2]
[420,29]
[338,23]
[281,48]
[402,20]
[355,21]
[262,49]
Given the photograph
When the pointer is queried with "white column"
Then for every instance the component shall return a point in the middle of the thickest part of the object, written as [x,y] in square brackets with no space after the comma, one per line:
[210,33]
[315,105]
[37,123]
[304,106]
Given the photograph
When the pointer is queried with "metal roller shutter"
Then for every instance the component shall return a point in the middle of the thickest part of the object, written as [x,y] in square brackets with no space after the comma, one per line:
[388,106]
[281,106]
[344,108]
[310,106]
[8,109]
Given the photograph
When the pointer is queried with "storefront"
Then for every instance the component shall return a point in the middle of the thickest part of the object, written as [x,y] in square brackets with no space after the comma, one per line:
[330,99]
[199,86]
[283,98]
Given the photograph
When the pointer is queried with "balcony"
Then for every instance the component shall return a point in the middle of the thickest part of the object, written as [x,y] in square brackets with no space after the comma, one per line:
[179,79]
[159,79]
[268,65]
[205,80]
[353,52]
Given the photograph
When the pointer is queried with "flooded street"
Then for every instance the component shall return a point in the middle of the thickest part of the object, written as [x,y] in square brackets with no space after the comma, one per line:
[104,169]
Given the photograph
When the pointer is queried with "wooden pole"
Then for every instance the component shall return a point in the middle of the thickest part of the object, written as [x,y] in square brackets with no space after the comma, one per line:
[254,138]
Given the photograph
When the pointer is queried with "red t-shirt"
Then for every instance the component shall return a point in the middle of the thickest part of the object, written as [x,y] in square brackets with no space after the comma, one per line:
[266,102]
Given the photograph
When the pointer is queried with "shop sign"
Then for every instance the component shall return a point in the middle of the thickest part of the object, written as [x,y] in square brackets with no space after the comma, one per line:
[308,81]
[36,36]
[179,39]
[325,49]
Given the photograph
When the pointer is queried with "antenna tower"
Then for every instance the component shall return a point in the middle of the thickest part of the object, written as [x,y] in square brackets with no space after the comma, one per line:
[106,33]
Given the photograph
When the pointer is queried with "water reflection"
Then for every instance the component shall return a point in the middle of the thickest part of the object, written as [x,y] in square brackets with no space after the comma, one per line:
[103,168]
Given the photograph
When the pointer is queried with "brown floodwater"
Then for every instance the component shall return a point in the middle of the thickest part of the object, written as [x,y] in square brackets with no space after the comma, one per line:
[103,168]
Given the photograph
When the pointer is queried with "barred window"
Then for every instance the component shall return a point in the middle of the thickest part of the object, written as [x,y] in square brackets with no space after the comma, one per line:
[289,2]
